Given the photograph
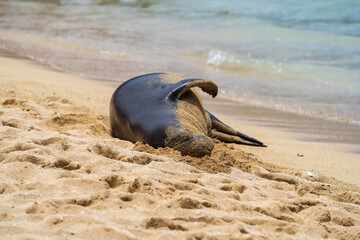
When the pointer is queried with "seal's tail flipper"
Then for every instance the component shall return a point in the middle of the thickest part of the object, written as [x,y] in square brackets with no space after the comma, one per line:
[231,138]
[179,88]
[228,134]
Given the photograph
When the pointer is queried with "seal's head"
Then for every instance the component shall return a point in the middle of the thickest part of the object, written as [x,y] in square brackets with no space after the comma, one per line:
[197,146]
[188,144]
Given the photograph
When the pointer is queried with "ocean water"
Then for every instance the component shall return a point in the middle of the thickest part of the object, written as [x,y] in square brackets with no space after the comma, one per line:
[295,56]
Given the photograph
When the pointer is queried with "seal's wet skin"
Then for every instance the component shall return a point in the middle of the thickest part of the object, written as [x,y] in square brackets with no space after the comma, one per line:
[164,110]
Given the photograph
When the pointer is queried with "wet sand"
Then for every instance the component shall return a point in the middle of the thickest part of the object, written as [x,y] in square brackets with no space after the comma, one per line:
[63,177]
[304,127]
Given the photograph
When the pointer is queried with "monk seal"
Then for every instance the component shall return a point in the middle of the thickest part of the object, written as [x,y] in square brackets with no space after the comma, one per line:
[164,110]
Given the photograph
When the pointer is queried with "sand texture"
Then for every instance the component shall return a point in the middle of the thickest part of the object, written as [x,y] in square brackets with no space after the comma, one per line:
[62,176]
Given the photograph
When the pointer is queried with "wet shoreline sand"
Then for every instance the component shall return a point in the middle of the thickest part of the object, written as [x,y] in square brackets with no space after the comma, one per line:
[301,127]
[306,128]
[63,176]
[312,135]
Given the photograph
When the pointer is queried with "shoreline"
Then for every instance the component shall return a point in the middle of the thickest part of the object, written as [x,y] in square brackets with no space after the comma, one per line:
[63,176]
[12,44]
[300,127]
[310,128]
[275,136]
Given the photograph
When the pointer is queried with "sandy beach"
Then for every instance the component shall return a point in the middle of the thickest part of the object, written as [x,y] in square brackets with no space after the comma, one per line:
[62,176]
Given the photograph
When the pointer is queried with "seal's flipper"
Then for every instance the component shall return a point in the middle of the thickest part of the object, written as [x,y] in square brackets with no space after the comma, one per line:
[181,87]
[232,139]
[230,132]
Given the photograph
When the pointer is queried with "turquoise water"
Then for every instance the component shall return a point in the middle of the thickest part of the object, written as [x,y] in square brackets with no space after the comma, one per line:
[297,56]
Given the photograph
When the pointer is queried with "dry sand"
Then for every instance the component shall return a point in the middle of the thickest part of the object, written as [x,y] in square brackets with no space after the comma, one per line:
[63,177]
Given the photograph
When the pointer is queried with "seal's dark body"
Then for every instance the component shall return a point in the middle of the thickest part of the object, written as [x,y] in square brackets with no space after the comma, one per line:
[140,112]
[144,108]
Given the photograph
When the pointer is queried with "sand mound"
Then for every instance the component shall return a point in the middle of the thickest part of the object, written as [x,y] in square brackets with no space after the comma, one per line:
[63,176]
